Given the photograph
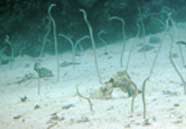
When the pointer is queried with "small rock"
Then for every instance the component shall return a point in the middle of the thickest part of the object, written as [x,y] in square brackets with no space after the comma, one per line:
[146,122]
[154,119]
[154,40]
[83,119]
[17,117]
[105,53]
[110,108]
[68,106]
[54,118]
[127,126]
[174,55]
[23,99]
[178,122]
[145,48]
[184,66]
[176,105]
[132,121]
[130,116]
[36,107]
[137,123]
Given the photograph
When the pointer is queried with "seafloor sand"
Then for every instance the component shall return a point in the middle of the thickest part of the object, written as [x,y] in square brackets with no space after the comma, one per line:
[166,103]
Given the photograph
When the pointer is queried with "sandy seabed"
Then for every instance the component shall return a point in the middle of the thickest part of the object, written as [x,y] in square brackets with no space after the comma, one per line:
[58,106]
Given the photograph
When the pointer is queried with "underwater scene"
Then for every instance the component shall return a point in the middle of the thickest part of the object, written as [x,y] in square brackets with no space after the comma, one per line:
[93,64]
